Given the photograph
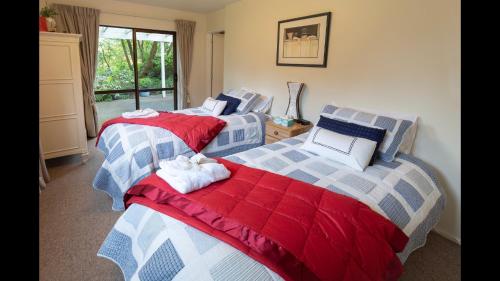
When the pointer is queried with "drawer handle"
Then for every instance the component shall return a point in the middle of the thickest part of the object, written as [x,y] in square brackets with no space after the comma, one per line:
[275,133]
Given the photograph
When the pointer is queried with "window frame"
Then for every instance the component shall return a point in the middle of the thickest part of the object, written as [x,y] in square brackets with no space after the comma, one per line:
[136,90]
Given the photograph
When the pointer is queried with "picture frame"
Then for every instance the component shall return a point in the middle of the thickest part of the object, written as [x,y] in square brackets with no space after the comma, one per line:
[304,41]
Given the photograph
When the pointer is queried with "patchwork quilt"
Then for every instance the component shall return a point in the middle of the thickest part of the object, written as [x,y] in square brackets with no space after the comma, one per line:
[298,230]
[132,151]
[195,130]
[148,245]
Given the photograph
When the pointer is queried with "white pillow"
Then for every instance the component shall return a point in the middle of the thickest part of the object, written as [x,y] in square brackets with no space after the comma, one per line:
[263,104]
[354,152]
[396,129]
[215,107]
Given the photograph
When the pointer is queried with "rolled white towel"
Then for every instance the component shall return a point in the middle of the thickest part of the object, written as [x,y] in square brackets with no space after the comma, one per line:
[185,182]
[141,113]
[186,175]
[201,159]
[182,162]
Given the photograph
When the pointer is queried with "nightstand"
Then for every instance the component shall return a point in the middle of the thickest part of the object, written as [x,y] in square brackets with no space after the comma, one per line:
[275,132]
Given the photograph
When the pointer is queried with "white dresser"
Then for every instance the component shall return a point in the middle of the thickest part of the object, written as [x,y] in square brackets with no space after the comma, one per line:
[62,125]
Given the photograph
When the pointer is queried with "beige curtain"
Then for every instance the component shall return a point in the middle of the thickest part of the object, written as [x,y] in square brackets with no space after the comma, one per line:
[185,40]
[84,21]
[43,174]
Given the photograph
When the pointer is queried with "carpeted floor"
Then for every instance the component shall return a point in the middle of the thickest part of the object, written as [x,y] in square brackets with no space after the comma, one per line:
[75,219]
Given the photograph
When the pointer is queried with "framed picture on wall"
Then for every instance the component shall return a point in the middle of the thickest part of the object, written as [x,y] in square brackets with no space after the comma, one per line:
[304,41]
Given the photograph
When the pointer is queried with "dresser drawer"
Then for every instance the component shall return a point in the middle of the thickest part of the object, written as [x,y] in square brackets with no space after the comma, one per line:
[279,133]
[276,133]
[270,139]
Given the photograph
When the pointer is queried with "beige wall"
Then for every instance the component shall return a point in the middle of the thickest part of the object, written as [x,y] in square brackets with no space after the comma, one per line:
[143,16]
[215,21]
[389,55]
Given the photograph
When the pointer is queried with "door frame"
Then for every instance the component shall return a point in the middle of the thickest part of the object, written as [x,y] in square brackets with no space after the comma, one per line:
[136,90]
[210,54]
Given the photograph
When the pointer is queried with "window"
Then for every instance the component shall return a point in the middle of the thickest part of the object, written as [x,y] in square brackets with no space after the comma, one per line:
[136,69]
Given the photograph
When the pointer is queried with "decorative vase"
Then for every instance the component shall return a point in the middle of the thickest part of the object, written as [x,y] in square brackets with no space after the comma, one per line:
[51,24]
[42,22]
[294,91]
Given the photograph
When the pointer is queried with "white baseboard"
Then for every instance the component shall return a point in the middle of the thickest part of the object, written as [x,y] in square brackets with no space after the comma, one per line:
[448,236]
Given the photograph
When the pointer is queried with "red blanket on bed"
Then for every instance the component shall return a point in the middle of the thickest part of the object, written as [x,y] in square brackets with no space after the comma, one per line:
[196,131]
[300,231]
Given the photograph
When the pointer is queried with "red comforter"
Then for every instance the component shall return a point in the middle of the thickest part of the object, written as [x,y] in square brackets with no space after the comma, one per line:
[300,231]
[196,131]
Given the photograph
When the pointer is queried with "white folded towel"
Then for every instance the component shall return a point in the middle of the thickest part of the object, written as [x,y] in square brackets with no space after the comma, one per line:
[141,113]
[186,175]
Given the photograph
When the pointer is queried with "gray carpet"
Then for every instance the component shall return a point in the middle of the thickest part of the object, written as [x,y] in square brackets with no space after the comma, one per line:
[75,219]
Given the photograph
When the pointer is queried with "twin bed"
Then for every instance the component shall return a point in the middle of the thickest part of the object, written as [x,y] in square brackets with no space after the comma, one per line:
[132,151]
[150,245]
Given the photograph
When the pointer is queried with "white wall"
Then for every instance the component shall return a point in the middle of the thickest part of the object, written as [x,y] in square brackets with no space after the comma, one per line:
[215,21]
[127,14]
[390,55]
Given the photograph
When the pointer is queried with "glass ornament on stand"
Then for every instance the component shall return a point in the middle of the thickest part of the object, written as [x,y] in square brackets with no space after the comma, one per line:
[293,110]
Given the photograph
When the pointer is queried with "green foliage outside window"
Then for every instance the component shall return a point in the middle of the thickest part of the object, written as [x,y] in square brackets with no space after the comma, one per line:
[115,66]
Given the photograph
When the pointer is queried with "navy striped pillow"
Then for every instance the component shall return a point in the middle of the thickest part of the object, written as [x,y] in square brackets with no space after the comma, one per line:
[353,130]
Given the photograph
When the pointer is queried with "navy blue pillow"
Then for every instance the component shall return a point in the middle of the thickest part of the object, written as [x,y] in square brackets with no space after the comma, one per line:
[354,130]
[232,103]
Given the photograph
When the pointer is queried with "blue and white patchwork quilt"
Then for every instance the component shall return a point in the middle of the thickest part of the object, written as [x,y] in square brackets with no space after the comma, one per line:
[132,152]
[148,245]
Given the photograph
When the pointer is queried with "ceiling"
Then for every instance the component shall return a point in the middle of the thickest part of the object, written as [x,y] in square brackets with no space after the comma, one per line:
[198,6]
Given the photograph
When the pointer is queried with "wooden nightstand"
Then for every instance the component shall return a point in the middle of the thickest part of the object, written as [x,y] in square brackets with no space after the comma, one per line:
[275,132]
